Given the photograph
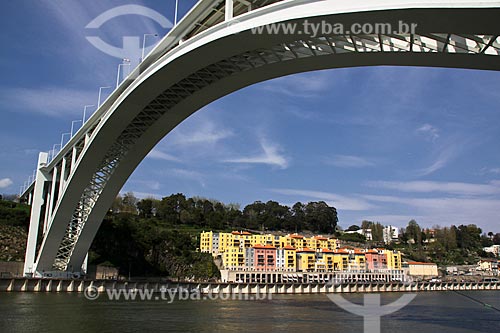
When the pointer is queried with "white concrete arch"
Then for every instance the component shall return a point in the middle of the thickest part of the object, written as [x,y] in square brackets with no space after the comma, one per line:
[179,79]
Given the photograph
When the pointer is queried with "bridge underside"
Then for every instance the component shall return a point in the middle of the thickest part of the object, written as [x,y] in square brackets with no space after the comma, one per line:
[79,188]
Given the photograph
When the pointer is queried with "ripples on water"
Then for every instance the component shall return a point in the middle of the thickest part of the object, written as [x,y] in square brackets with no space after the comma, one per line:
[428,312]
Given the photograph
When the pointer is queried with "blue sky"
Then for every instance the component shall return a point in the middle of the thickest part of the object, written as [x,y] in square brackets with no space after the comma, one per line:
[382,143]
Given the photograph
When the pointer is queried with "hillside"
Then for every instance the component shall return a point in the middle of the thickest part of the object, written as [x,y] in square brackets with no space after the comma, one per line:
[12,243]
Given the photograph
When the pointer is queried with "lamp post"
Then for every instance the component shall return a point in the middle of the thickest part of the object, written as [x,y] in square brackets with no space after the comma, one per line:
[126,62]
[85,112]
[175,15]
[144,43]
[54,150]
[62,139]
[100,92]
[73,126]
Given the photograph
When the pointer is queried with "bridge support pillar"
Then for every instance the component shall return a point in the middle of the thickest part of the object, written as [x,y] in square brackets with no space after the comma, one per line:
[229,10]
[51,199]
[36,212]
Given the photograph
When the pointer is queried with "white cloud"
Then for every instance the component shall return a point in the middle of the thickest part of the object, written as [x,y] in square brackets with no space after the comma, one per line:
[338,201]
[484,171]
[300,85]
[200,132]
[197,138]
[189,174]
[159,155]
[149,184]
[349,161]
[5,182]
[271,155]
[430,131]
[444,157]
[447,211]
[49,101]
[395,220]
[434,186]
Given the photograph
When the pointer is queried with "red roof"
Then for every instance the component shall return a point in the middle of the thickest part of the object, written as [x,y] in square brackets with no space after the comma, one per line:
[327,251]
[296,236]
[305,249]
[269,247]
[241,233]
[288,247]
[321,238]
[420,263]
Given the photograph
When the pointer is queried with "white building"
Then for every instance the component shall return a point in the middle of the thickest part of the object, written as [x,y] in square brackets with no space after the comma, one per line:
[365,232]
[390,234]
[215,243]
[495,249]
[280,258]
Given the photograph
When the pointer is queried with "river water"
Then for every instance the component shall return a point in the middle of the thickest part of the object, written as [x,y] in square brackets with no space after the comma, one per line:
[67,312]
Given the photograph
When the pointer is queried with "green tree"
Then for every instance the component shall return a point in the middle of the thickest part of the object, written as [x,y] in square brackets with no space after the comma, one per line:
[414,233]
[496,239]
[298,217]
[129,203]
[377,230]
[321,218]
[469,237]
[486,241]
[353,228]
[145,207]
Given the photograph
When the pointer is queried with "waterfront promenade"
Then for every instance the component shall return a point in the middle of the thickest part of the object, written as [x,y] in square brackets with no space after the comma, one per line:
[71,285]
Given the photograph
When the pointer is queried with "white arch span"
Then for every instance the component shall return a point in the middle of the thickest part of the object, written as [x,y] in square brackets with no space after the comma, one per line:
[211,53]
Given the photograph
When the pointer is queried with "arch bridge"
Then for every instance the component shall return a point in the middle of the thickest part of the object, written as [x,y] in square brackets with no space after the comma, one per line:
[216,49]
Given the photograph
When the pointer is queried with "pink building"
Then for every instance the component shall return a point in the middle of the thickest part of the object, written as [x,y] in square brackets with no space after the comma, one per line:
[375,260]
[264,257]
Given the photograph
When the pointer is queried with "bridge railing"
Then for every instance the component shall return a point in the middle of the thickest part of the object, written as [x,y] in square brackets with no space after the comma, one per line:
[202,16]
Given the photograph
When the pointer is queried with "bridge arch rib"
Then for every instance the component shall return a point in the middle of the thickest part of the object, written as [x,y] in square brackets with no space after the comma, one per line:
[218,62]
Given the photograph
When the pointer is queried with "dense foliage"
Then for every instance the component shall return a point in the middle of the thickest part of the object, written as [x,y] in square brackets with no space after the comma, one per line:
[14,221]
[449,245]
[141,246]
[198,212]
[14,214]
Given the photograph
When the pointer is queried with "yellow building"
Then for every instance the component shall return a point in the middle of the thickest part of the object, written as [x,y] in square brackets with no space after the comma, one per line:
[393,259]
[359,260]
[310,243]
[242,239]
[320,243]
[226,240]
[325,261]
[290,258]
[206,242]
[233,258]
[422,269]
[306,260]
[231,248]
[262,240]
[332,244]
[341,260]
[297,241]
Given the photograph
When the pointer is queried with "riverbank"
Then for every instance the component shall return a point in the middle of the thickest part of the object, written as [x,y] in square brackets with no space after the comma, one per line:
[76,286]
